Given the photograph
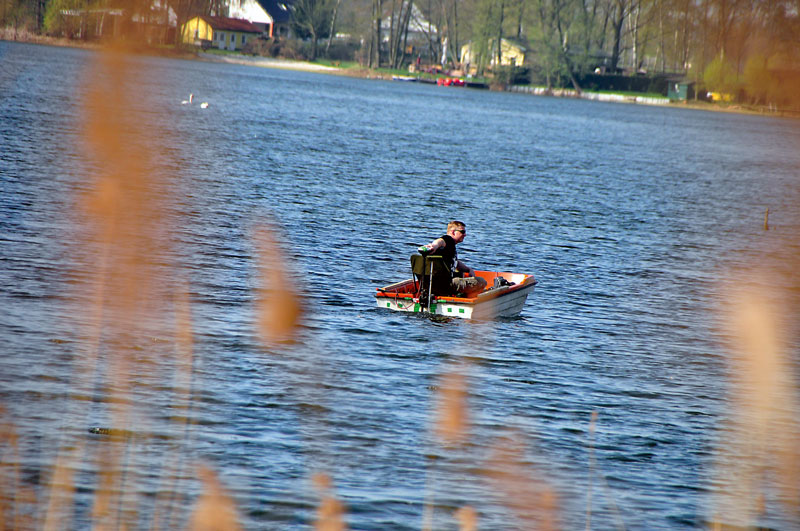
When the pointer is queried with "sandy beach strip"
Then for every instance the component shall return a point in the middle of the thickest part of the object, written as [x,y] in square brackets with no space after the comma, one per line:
[267,62]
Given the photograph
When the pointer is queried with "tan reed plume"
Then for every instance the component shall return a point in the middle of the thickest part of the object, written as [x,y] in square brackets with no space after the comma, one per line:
[467,518]
[279,304]
[215,510]
[452,413]
[759,452]
[330,511]
[529,495]
[17,500]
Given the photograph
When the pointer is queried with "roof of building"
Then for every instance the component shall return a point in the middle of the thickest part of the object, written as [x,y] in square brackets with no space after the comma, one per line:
[230,24]
[277,9]
[416,24]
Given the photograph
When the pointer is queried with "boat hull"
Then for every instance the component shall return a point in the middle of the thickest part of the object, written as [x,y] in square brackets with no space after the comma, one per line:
[506,301]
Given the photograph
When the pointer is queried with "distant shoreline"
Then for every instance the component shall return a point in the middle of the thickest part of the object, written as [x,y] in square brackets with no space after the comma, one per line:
[266,62]
[363,73]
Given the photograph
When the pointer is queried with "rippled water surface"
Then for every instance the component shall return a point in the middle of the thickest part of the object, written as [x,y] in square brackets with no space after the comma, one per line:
[629,216]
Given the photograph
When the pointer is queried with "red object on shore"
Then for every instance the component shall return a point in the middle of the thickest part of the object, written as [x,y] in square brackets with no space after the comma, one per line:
[450,82]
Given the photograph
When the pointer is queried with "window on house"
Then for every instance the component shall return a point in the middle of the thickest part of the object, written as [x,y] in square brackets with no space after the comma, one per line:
[243,38]
[221,36]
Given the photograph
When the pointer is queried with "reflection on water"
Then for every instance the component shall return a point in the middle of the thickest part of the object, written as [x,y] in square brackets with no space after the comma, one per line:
[629,216]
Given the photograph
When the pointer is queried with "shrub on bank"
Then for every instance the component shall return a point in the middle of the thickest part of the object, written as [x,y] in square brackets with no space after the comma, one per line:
[299,50]
[276,48]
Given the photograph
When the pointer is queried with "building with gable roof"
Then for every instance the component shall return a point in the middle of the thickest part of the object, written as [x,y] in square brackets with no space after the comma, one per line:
[220,32]
[420,30]
[512,53]
[272,16]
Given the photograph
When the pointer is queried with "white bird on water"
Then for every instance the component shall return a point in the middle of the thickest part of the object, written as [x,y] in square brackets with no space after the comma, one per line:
[204,105]
[189,101]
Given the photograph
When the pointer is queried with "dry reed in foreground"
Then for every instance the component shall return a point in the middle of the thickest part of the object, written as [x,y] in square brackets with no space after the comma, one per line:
[124,223]
[452,421]
[330,511]
[136,296]
[17,499]
[526,493]
[529,495]
[280,307]
[215,511]
[758,458]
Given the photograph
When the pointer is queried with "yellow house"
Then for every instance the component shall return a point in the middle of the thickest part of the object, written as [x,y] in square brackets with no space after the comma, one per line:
[511,53]
[220,32]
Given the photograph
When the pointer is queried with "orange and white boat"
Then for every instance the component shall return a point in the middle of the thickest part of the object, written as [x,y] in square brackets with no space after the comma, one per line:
[504,296]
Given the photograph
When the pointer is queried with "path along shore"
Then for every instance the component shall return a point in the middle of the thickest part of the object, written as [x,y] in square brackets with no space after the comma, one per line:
[268,62]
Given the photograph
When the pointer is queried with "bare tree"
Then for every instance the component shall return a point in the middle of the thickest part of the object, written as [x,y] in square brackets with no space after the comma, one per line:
[332,31]
[558,23]
[376,42]
[311,19]
[399,32]
[620,11]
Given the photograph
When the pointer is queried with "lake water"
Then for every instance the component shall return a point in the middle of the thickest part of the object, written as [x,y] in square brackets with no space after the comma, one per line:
[629,216]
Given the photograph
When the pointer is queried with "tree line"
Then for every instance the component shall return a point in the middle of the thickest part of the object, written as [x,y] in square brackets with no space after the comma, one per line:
[744,48]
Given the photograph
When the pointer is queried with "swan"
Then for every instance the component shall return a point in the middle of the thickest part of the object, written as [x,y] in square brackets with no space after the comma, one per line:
[204,105]
[189,101]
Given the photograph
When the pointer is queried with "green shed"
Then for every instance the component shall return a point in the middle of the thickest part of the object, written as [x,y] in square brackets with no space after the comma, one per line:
[680,90]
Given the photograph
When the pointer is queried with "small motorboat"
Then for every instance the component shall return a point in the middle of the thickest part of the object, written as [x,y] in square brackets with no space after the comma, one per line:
[504,295]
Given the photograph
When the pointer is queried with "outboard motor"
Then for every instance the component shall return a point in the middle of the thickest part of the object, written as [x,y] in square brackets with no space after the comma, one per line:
[432,277]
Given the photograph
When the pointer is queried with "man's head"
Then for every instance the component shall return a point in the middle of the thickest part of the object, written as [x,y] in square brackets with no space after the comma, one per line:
[457,230]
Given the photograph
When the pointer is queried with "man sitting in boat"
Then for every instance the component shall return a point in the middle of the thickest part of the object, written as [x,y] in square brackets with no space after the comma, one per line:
[446,247]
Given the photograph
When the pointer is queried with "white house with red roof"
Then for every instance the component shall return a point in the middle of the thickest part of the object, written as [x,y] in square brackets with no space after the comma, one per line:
[272,16]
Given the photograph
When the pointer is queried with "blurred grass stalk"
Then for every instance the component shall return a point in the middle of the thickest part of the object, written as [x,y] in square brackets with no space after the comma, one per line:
[135,303]
[331,511]
[508,472]
[17,500]
[757,466]
[127,212]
